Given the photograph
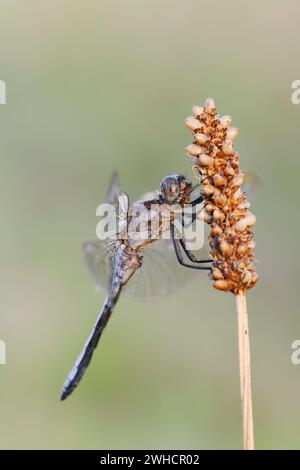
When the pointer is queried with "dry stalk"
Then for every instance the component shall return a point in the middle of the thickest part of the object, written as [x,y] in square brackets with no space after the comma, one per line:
[227,211]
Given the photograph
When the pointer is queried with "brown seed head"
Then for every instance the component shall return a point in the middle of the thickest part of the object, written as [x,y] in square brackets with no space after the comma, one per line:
[216,164]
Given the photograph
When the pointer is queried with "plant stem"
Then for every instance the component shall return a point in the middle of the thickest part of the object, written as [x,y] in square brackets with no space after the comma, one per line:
[245,371]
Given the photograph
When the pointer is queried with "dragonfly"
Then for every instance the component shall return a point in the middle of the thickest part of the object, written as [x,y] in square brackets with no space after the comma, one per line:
[120,260]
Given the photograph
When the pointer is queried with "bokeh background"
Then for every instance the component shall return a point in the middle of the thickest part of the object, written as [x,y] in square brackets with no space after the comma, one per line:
[94,85]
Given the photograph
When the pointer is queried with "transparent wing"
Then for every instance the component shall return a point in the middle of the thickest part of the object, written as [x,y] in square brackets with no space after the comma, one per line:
[117,197]
[149,196]
[99,254]
[114,189]
[122,206]
[160,273]
[98,257]
[120,224]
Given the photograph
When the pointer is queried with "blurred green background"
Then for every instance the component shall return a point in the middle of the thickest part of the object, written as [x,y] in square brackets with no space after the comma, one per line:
[94,85]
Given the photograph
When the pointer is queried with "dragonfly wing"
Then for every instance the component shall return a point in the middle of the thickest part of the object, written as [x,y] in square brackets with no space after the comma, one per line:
[159,275]
[122,210]
[118,198]
[149,196]
[114,189]
[122,206]
[98,256]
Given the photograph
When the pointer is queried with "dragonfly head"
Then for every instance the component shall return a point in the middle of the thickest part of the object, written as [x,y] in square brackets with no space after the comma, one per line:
[176,189]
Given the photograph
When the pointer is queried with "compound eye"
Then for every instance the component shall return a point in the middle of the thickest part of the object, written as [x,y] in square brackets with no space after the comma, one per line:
[185,184]
[182,184]
[173,188]
[170,187]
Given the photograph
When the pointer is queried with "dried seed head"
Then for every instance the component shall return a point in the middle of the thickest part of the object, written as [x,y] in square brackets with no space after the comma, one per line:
[254,278]
[236,196]
[219,198]
[222,284]
[192,123]
[232,133]
[228,171]
[195,161]
[217,274]
[237,181]
[208,189]
[226,248]
[241,225]
[241,265]
[244,205]
[206,180]
[203,215]
[194,150]
[245,222]
[201,139]
[219,181]
[210,106]
[226,206]
[210,207]
[247,277]
[197,110]
[205,160]
[251,245]
[242,250]
[227,147]
[216,230]
[218,215]
[225,121]
[251,219]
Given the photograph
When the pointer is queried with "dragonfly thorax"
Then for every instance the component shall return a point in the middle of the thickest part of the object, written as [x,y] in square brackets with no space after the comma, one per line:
[148,221]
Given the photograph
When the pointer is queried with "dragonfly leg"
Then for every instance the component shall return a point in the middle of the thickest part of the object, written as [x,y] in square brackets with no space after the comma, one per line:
[188,252]
[193,218]
[196,201]
[177,248]
[191,255]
